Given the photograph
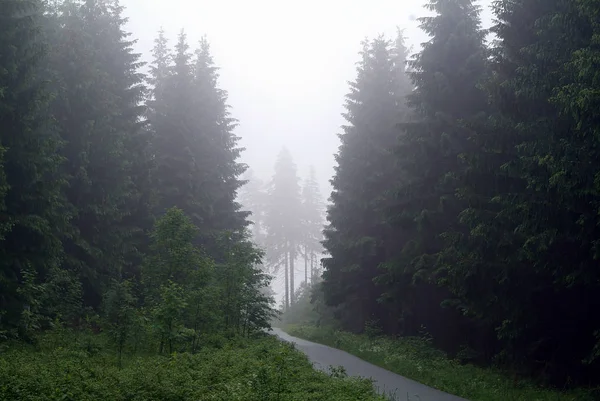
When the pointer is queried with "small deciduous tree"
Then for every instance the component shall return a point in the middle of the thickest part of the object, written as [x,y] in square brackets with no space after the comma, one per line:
[119,314]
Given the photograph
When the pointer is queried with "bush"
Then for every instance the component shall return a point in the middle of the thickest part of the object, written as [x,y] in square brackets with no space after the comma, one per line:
[262,369]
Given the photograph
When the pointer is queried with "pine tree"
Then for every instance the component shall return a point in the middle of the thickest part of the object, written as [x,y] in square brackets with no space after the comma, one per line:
[542,253]
[160,69]
[170,116]
[33,212]
[195,148]
[283,221]
[579,97]
[404,85]
[425,210]
[99,114]
[220,155]
[361,180]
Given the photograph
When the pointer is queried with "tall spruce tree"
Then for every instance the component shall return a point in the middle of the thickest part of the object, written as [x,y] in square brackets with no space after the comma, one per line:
[425,211]
[362,176]
[544,251]
[33,212]
[220,157]
[99,115]
[283,221]
[194,144]
[579,97]
[177,174]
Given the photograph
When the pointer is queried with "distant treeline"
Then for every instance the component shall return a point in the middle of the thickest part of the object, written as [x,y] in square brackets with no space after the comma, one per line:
[466,197]
[287,222]
[118,191]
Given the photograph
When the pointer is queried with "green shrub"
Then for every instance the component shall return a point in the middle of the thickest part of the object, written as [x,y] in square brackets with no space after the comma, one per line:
[259,369]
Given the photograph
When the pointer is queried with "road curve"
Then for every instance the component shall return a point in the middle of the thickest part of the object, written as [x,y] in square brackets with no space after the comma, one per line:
[385,382]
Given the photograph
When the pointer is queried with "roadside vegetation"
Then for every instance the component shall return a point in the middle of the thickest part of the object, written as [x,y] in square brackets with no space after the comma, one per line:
[417,359]
[63,366]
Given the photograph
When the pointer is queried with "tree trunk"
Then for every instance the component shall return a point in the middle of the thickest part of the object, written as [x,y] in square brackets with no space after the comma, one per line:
[305,266]
[287,280]
[292,286]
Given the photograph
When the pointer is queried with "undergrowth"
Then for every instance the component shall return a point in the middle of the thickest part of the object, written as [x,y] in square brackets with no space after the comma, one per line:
[416,359]
[83,369]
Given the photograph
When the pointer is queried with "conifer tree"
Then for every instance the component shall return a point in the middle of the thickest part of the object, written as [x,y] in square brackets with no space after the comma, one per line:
[33,212]
[194,145]
[543,205]
[579,97]
[170,121]
[220,151]
[99,114]
[425,209]
[354,244]
[283,221]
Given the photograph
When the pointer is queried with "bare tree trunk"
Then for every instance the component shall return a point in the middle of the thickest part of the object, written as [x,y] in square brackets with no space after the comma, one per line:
[305,265]
[312,268]
[287,280]
[292,287]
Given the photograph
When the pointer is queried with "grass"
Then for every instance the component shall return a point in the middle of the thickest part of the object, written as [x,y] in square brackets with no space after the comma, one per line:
[262,369]
[416,359]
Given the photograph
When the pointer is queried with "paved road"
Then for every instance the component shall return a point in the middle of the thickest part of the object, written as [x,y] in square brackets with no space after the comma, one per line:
[386,382]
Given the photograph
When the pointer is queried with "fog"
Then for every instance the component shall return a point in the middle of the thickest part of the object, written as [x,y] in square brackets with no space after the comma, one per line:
[285,64]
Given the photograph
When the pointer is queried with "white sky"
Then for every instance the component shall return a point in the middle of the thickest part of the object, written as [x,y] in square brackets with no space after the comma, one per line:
[285,65]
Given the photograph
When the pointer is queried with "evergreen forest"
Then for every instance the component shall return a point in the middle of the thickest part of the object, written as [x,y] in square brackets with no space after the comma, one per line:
[465,203]
[141,259]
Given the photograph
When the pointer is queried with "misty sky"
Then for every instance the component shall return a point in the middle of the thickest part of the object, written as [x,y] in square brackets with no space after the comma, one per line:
[285,64]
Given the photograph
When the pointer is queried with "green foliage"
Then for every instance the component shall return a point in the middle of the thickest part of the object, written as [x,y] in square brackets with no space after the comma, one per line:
[168,316]
[262,369]
[119,314]
[96,106]
[84,177]
[246,308]
[465,198]
[33,213]
[357,229]
[414,357]
[173,255]
[470,207]
[196,154]
[302,311]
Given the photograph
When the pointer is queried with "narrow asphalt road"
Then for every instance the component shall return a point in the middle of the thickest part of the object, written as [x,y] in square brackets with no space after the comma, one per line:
[385,382]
